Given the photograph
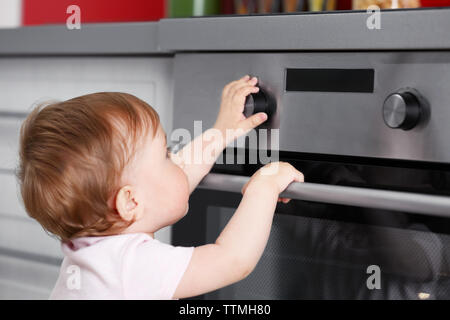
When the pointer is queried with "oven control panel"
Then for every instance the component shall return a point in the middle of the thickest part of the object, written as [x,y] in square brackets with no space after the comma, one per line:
[372,104]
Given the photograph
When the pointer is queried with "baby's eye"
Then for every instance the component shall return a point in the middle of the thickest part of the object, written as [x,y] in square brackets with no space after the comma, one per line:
[168,152]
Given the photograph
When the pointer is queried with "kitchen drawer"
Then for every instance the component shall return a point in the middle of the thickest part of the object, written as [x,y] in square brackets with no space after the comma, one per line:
[26,279]
[26,81]
[10,201]
[9,142]
[26,235]
[18,231]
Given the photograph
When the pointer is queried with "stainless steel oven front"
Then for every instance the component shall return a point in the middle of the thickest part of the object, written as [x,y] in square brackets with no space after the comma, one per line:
[369,130]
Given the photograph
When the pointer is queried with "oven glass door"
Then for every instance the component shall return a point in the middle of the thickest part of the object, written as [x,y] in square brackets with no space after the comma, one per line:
[328,251]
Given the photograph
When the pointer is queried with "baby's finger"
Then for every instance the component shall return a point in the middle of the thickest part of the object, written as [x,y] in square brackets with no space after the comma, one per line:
[246,89]
[225,90]
[228,86]
[253,121]
[239,84]
[240,95]
[298,176]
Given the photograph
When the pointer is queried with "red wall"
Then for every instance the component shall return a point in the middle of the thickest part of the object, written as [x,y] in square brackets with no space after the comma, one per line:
[54,11]
[435,3]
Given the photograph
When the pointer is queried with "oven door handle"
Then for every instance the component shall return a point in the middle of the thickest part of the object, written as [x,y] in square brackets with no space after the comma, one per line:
[352,196]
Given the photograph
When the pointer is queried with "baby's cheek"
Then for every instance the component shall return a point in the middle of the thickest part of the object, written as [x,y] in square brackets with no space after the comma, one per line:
[177,194]
[182,185]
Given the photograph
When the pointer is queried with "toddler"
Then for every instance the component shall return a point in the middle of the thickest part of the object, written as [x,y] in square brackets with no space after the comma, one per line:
[95,171]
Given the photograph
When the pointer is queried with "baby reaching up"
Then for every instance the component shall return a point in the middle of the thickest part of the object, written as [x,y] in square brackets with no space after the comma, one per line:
[95,171]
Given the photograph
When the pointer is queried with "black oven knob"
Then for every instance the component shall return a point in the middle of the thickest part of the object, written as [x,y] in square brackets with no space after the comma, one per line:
[258,102]
[401,110]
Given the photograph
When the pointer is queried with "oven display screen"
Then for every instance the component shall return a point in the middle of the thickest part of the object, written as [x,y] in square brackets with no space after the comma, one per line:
[330,80]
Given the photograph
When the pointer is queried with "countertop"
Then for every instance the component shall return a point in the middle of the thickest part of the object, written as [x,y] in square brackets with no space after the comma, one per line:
[413,29]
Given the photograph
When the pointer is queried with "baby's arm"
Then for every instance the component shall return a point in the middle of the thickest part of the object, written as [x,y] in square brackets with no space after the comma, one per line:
[213,141]
[239,247]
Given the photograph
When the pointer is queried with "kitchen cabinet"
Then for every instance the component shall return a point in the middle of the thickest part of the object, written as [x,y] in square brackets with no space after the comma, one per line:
[29,257]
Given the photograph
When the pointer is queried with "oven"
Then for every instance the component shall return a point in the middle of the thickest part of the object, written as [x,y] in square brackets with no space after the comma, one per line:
[369,131]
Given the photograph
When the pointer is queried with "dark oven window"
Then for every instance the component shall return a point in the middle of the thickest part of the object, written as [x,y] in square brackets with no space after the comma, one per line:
[323,251]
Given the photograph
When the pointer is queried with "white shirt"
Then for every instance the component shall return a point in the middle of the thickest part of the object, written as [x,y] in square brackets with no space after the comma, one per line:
[126,266]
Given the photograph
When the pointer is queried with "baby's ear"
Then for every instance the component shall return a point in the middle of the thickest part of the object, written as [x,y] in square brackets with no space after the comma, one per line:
[127,204]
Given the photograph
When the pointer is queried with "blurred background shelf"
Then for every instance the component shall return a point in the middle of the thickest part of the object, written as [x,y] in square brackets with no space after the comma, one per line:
[14,13]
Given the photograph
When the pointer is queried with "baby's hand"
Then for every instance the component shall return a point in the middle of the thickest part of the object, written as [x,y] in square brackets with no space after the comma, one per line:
[275,176]
[231,115]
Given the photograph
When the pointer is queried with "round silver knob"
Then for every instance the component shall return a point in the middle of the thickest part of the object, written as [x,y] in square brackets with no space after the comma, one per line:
[401,110]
